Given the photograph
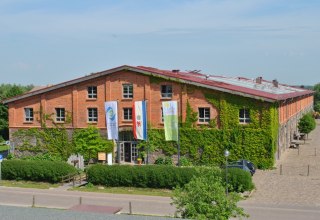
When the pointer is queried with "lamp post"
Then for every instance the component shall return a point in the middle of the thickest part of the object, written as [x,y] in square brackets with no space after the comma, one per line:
[226,154]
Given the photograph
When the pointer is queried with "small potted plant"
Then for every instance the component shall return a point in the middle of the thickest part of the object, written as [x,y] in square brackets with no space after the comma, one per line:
[141,157]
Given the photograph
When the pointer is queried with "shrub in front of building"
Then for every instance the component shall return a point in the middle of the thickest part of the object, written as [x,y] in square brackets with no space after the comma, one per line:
[151,176]
[43,171]
[238,180]
[166,177]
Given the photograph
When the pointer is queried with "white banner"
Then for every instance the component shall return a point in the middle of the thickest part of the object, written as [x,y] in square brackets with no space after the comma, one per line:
[111,109]
[170,117]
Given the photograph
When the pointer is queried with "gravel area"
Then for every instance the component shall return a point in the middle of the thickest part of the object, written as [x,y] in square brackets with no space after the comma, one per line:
[299,182]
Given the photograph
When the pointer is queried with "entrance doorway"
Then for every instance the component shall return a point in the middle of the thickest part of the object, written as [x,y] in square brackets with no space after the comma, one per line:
[128,152]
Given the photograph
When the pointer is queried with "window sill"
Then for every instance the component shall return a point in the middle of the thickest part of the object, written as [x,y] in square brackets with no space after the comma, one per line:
[92,122]
[202,123]
[59,122]
[166,98]
[28,122]
[126,99]
[126,121]
[91,99]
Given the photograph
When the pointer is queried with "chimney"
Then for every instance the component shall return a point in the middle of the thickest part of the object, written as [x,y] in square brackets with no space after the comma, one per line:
[275,83]
[175,71]
[259,80]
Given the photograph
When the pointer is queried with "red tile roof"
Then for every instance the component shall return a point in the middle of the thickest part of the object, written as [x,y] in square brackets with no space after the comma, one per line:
[239,85]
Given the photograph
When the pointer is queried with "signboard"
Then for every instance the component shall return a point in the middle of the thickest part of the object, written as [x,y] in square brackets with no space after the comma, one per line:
[109,158]
[102,156]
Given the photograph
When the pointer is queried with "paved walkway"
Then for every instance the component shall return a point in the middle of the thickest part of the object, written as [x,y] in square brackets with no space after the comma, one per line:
[294,186]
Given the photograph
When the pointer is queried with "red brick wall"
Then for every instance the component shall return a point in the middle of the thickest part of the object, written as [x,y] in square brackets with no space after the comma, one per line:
[291,108]
[74,100]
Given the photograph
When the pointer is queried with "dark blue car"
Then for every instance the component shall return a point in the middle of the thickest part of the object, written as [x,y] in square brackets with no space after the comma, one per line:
[244,164]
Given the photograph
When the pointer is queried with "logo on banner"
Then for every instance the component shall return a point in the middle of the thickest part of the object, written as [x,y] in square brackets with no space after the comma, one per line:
[111,114]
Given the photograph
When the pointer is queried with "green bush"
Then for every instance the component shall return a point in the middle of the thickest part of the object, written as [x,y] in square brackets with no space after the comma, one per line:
[238,180]
[43,157]
[184,161]
[164,161]
[204,197]
[151,176]
[307,123]
[44,171]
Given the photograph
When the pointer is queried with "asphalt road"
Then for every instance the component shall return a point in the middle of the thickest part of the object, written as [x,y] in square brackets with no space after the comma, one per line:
[55,198]
[24,213]
[275,212]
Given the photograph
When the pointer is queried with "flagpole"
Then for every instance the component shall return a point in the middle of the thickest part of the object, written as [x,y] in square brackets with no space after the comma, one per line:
[147,138]
[178,141]
[118,143]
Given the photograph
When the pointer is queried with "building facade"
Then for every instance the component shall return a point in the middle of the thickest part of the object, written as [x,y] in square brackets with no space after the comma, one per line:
[80,102]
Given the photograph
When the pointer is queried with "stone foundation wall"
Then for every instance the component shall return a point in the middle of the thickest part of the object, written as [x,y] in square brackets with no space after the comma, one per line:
[287,131]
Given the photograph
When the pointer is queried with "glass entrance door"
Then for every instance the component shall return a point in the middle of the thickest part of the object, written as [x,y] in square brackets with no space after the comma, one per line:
[128,152]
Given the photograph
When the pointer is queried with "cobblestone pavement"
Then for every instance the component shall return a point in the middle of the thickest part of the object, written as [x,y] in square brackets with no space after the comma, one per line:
[299,183]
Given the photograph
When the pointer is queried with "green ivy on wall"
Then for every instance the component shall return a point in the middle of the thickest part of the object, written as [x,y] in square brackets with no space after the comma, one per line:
[255,141]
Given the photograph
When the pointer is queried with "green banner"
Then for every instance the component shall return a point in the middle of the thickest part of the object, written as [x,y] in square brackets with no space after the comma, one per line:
[170,117]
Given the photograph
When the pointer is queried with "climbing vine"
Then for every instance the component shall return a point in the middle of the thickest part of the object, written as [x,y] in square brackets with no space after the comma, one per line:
[255,141]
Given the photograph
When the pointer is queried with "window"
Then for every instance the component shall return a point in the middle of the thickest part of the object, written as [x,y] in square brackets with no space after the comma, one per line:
[127,114]
[244,116]
[127,91]
[92,115]
[92,92]
[204,115]
[60,115]
[166,91]
[28,114]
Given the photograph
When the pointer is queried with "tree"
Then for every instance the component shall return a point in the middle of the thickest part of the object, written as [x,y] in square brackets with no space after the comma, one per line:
[8,91]
[204,197]
[307,123]
[88,142]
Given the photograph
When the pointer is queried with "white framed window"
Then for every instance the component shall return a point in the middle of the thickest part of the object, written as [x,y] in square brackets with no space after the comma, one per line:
[28,114]
[127,114]
[244,116]
[92,92]
[127,91]
[204,115]
[60,115]
[92,115]
[166,91]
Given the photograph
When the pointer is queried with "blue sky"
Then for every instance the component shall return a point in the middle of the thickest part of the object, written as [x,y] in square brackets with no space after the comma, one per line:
[47,42]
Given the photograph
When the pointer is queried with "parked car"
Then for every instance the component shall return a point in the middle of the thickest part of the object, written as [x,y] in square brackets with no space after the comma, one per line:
[240,166]
[246,163]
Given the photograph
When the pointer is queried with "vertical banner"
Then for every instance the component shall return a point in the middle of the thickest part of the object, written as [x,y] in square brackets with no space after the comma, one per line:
[111,109]
[139,116]
[170,117]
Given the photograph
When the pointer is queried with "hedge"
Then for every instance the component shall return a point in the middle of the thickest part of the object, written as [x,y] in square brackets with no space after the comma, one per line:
[44,171]
[152,176]
[160,176]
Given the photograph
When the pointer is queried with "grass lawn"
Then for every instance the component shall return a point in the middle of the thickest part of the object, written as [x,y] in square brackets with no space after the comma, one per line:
[27,184]
[125,190]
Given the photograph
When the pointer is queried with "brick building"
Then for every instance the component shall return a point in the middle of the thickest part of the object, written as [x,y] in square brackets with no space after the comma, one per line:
[80,102]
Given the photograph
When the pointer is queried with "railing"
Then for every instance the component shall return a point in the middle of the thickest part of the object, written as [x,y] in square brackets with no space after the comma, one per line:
[74,178]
